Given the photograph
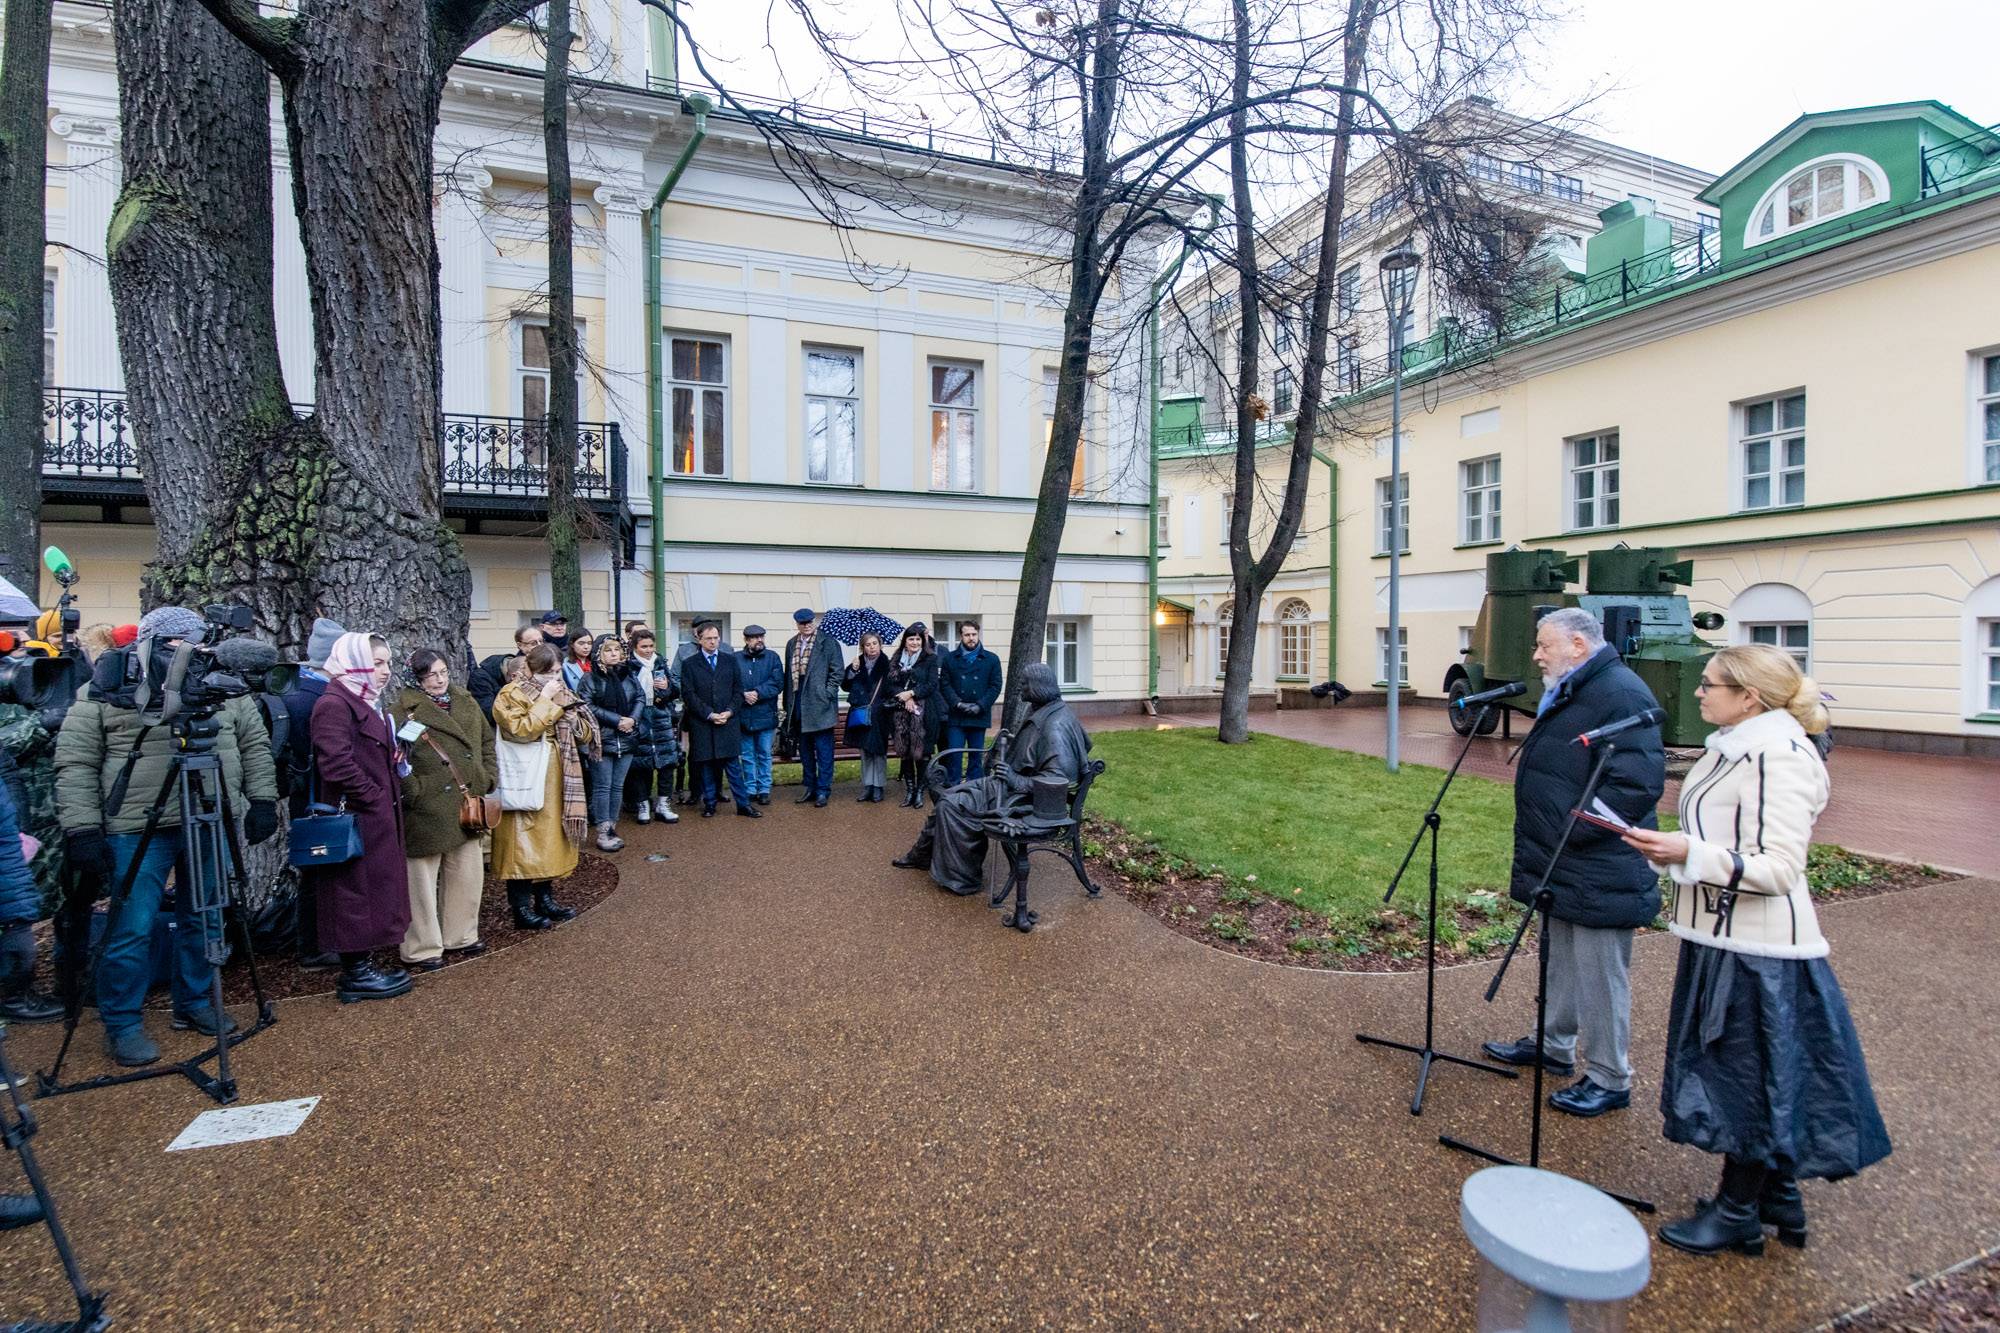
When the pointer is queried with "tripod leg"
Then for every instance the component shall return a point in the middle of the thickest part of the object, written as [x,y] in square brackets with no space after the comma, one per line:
[17,1126]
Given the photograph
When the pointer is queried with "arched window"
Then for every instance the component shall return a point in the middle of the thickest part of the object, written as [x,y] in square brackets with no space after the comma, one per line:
[1777,614]
[1982,652]
[1225,621]
[1294,638]
[1823,188]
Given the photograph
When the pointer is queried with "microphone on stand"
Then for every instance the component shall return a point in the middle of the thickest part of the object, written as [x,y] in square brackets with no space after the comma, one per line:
[1652,717]
[1493,695]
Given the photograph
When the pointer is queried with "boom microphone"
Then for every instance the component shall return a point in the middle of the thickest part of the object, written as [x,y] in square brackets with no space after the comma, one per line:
[1652,717]
[58,565]
[1494,695]
[249,658]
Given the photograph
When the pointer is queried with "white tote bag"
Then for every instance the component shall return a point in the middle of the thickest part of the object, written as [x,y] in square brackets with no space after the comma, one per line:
[524,773]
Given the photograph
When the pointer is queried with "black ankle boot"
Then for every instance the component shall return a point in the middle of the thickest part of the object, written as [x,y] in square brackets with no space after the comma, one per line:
[545,902]
[361,980]
[1782,1206]
[1727,1222]
[917,803]
[909,792]
[521,897]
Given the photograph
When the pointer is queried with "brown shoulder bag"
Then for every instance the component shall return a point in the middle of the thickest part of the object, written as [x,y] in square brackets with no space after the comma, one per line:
[476,813]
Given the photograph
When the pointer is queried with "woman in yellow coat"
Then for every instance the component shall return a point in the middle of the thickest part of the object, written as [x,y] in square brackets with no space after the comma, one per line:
[533,848]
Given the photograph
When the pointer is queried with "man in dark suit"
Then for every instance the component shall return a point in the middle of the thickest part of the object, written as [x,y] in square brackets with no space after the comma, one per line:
[1603,888]
[712,687]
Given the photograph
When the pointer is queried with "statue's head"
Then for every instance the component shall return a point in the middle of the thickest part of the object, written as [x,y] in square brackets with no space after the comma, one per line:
[1039,684]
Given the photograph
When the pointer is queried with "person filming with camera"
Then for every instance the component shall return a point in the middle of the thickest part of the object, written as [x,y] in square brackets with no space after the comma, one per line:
[115,753]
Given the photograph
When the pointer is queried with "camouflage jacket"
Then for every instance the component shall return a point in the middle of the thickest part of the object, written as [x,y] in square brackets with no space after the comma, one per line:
[33,750]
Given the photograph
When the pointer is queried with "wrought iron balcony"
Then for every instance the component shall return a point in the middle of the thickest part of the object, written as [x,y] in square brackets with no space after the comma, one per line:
[491,465]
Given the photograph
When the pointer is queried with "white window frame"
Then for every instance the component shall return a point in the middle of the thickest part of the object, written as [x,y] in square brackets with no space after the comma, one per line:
[1794,636]
[1981,659]
[50,347]
[953,411]
[1284,391]
[1347,292]
[829,402]
[1225,630]
[1986,416]
[523,372]
[1384,498]
[1479,500]
[1606,507]
[1283,339]
[1347,365]
[1775,199]
[1163,525]
[1080,465]
[1295,639]
[1066,650]
[1228,515]
[1382,655]
[1989,663]
[1776,443]
[695,389]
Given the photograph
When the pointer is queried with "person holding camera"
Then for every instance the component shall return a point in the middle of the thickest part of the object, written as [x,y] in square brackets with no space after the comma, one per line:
[111,760]
[450,758]
[364,904]
[969,684]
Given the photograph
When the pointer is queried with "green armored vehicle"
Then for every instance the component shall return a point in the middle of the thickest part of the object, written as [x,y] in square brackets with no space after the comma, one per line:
[1631,591]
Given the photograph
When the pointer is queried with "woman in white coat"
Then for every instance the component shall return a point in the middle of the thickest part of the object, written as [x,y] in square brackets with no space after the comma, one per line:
[1763,1063]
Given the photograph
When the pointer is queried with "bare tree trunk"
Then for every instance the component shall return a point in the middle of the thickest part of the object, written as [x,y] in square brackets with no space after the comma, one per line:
[232,476]
[1097,77]
[24,96]
[567,521]
[1233,726]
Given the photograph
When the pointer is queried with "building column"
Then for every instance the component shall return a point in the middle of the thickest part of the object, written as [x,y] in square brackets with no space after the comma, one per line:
[90,333]
[462,331]
[625,333]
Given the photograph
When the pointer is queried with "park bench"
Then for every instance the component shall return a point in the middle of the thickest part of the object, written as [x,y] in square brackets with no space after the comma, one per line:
[1019,840]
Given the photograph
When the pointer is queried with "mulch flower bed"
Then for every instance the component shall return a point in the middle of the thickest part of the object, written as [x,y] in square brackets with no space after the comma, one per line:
[283,979]
[1241,919]
[1958,1301]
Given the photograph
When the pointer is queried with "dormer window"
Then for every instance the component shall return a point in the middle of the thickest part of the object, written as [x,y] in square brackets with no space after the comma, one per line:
[1823,188]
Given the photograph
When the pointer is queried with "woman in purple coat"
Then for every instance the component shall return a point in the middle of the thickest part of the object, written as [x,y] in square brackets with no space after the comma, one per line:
[365,904]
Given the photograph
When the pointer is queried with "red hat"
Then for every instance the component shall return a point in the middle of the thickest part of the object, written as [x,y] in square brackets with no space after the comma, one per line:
[124,636]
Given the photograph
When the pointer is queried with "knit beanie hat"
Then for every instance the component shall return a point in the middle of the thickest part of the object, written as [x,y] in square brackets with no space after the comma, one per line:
[170,622]
[319,644]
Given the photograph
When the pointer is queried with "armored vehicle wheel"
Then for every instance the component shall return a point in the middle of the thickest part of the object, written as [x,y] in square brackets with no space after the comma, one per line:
[1462,720]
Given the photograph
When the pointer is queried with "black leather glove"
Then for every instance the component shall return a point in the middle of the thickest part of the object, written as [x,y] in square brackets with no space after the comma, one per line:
[89,853]
[966,710]
[261,822]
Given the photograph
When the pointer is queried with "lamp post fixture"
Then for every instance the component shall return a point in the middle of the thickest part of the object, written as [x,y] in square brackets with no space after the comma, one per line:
[1399,289]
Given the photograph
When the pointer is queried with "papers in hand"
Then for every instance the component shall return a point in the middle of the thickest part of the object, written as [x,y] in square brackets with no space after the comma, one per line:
[1603,816]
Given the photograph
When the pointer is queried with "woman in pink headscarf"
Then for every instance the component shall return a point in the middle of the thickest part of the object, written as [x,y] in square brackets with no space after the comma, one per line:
[364,904]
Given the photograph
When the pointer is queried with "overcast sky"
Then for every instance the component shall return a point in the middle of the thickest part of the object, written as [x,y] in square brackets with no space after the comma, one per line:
[1701,82]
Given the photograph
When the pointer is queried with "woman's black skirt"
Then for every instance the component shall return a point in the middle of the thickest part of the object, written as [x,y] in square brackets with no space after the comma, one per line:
[1763,1064]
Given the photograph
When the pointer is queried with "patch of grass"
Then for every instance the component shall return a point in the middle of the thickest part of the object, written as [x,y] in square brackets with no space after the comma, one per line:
[1286,814]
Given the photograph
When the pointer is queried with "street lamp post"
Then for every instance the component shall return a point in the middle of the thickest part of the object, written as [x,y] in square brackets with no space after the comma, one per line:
[1399,287]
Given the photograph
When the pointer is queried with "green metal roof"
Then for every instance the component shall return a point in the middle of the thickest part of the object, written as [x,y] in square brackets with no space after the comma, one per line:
[1936,112]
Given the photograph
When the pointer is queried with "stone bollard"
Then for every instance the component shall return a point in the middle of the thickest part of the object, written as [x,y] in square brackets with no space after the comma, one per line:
[1556,1255]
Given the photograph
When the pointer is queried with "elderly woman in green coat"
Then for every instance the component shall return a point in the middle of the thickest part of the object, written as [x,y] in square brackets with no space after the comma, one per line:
[453,755]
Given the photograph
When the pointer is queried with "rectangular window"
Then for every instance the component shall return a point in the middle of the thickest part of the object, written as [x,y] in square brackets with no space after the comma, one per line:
[1774,452]
[1294,640]
[1062,649]
[1283,339]
[1281,390]
[685,621]
[1794,638]
[1990,642]
[1402,676]
[1392,520]
[1483,168]
[1479,483]
[1348,293]
[48,327]
[833,416]
[1051,375]
[1162,527]
[945,630]
[1593,481]
[1987,406]
[1307,255]
[1225,627]
[1228,514]
[1525,176]
[1568,187]
[1346,366]
[698,389]
[954,390]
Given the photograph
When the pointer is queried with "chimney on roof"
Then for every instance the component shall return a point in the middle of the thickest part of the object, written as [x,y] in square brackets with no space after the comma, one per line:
[1630,229]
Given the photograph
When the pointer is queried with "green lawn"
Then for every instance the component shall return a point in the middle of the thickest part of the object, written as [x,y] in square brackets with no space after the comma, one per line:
[1321,828]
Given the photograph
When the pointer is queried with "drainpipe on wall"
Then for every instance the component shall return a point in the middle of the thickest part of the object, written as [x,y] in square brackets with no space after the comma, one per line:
[1332,563]
[656,432]
[1160,283]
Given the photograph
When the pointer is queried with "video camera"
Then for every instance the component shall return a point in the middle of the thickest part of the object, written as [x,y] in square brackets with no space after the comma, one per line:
[202,674]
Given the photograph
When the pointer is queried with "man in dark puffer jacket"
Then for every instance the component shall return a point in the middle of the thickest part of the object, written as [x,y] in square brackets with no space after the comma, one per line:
[1603,888]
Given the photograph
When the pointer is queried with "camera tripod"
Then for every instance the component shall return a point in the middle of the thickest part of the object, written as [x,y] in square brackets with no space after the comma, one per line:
[1433,822]
[17,1126]
[208,876]
[1540,901]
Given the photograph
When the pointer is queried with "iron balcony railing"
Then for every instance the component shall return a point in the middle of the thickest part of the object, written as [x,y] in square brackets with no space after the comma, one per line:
[1949,164]
[87,436]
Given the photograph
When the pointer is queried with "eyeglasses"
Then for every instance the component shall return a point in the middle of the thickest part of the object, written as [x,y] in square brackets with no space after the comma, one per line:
[437,672]
[1705,684]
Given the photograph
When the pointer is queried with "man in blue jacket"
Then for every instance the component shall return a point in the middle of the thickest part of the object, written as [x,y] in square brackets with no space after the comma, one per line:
[1603,888]
[763,681]
[969,683]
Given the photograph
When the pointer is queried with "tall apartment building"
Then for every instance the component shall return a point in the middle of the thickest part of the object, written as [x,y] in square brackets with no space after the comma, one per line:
[1563,179]
[831,441]
[1805,402]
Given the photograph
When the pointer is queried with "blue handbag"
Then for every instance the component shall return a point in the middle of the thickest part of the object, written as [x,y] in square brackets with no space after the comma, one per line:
[859,717]
[325,836]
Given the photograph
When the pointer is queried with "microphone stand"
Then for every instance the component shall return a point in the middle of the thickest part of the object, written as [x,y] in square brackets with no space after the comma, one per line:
[1433,822]
[1540,902]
